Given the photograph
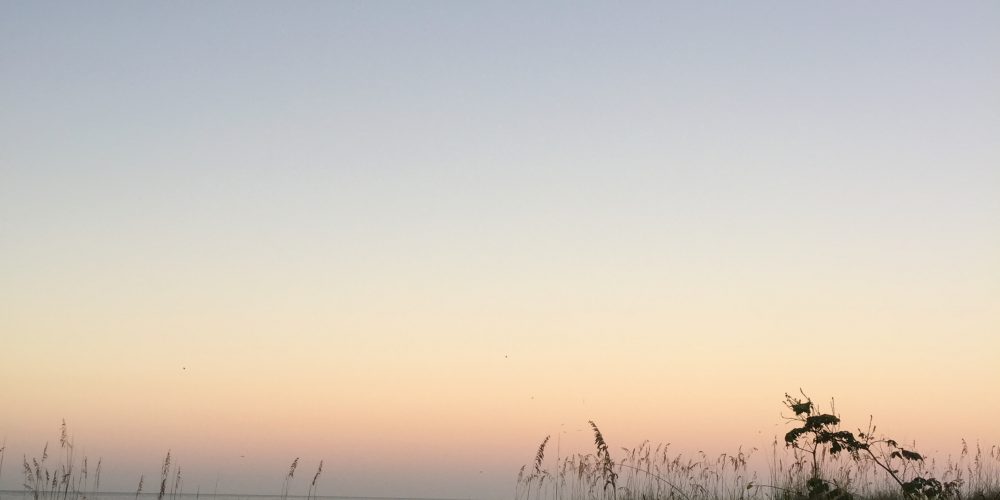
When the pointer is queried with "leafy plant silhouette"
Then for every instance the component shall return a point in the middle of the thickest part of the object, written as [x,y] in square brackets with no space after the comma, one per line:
[821,431]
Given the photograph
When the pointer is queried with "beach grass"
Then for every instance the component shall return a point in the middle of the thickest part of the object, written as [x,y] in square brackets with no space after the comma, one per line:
[817,461]
[654,472]
[790,470]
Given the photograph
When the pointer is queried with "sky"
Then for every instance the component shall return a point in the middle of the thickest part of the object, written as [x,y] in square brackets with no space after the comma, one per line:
[412,239]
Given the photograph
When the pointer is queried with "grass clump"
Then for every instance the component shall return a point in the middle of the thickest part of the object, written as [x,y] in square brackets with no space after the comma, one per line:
[817,460]
[70,479]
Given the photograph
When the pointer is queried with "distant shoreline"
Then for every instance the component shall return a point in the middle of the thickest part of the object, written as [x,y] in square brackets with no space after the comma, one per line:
[244,495]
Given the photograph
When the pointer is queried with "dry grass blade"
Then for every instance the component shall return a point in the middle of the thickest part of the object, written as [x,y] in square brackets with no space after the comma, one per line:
[138,490]
[312,485]
[288,478]
[540,456]
[607,464]
[164,474]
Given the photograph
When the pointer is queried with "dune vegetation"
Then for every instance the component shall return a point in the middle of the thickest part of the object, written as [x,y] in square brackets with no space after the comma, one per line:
[816,459]
[58,475]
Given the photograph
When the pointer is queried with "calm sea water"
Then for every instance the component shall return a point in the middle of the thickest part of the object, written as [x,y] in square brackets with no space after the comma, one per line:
[22,495]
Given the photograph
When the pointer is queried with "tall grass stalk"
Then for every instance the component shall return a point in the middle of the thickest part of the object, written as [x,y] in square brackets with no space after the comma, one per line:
[176,488]
[312,485]
[138,491]
[97,478]
[164,474]
[3,449]
[288,478]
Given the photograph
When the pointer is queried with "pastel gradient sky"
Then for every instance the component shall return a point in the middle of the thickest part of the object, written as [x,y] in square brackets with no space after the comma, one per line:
[414,238]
